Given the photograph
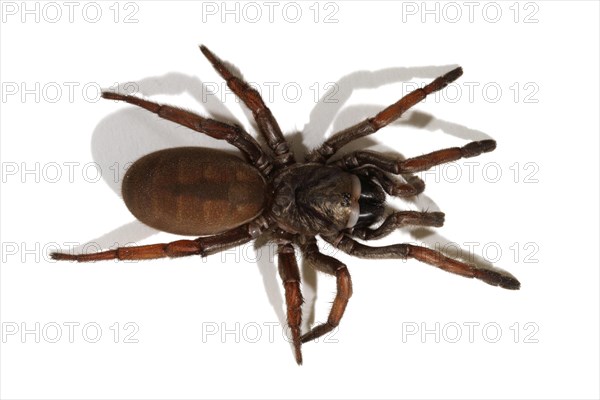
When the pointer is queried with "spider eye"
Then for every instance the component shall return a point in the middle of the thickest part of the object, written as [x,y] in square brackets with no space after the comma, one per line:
[346,200]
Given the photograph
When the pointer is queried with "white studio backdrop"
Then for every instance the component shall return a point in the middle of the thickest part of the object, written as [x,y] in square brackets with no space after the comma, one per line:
[194,328]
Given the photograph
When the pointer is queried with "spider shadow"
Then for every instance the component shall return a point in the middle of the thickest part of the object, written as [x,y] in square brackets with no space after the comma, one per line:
[127,134]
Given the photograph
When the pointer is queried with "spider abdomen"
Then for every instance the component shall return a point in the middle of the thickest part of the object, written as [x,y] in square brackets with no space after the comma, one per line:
[193,191]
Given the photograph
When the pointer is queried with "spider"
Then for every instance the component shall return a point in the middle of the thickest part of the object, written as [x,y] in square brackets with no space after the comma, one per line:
[227,201]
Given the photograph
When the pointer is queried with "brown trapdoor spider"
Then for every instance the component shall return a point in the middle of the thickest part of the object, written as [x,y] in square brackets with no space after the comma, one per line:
[227,201]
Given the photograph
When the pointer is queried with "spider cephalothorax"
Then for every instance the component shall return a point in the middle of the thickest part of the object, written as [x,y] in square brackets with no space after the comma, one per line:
[313,199]
[227,201]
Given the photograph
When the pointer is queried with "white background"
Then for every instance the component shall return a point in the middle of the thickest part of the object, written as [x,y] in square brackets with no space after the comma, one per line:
[541,213]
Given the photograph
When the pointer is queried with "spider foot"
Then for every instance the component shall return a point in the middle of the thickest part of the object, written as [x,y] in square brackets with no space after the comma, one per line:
[474,149]
[498,278]
[298,351]
[416,182]
[435,219]
[443,81]
[317,332]
[63,256]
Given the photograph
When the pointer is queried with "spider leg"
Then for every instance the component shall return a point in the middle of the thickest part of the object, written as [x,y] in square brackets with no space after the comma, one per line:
[264,118]
[290,275]
[416,164]
[428,256]
[334,267]
[400,219]
[181,248]
[383,118]
[412,187]
[216,129]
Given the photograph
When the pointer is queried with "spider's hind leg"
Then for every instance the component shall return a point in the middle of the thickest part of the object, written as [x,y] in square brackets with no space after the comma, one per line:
[267,124]
[233,134]
[203,246]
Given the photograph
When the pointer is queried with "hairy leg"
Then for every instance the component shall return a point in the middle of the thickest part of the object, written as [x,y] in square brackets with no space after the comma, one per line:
[181,248]
[290,275]
[412,187]
[415,164]
[330,266]
[385,117]
[428,256]
[398,220]
[265,120]
[219,130]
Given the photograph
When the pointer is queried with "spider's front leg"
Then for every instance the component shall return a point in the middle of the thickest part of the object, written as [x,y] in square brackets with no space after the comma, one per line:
[415,164]
[383,118]
[330,266]
[290,275]
[412,186]
[428,256]
[400,219]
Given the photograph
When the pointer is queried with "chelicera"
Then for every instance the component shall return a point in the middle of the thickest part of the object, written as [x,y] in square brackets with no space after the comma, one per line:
[227,201]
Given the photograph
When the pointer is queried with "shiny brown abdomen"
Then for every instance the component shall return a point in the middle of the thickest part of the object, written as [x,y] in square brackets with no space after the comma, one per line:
[193,191]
